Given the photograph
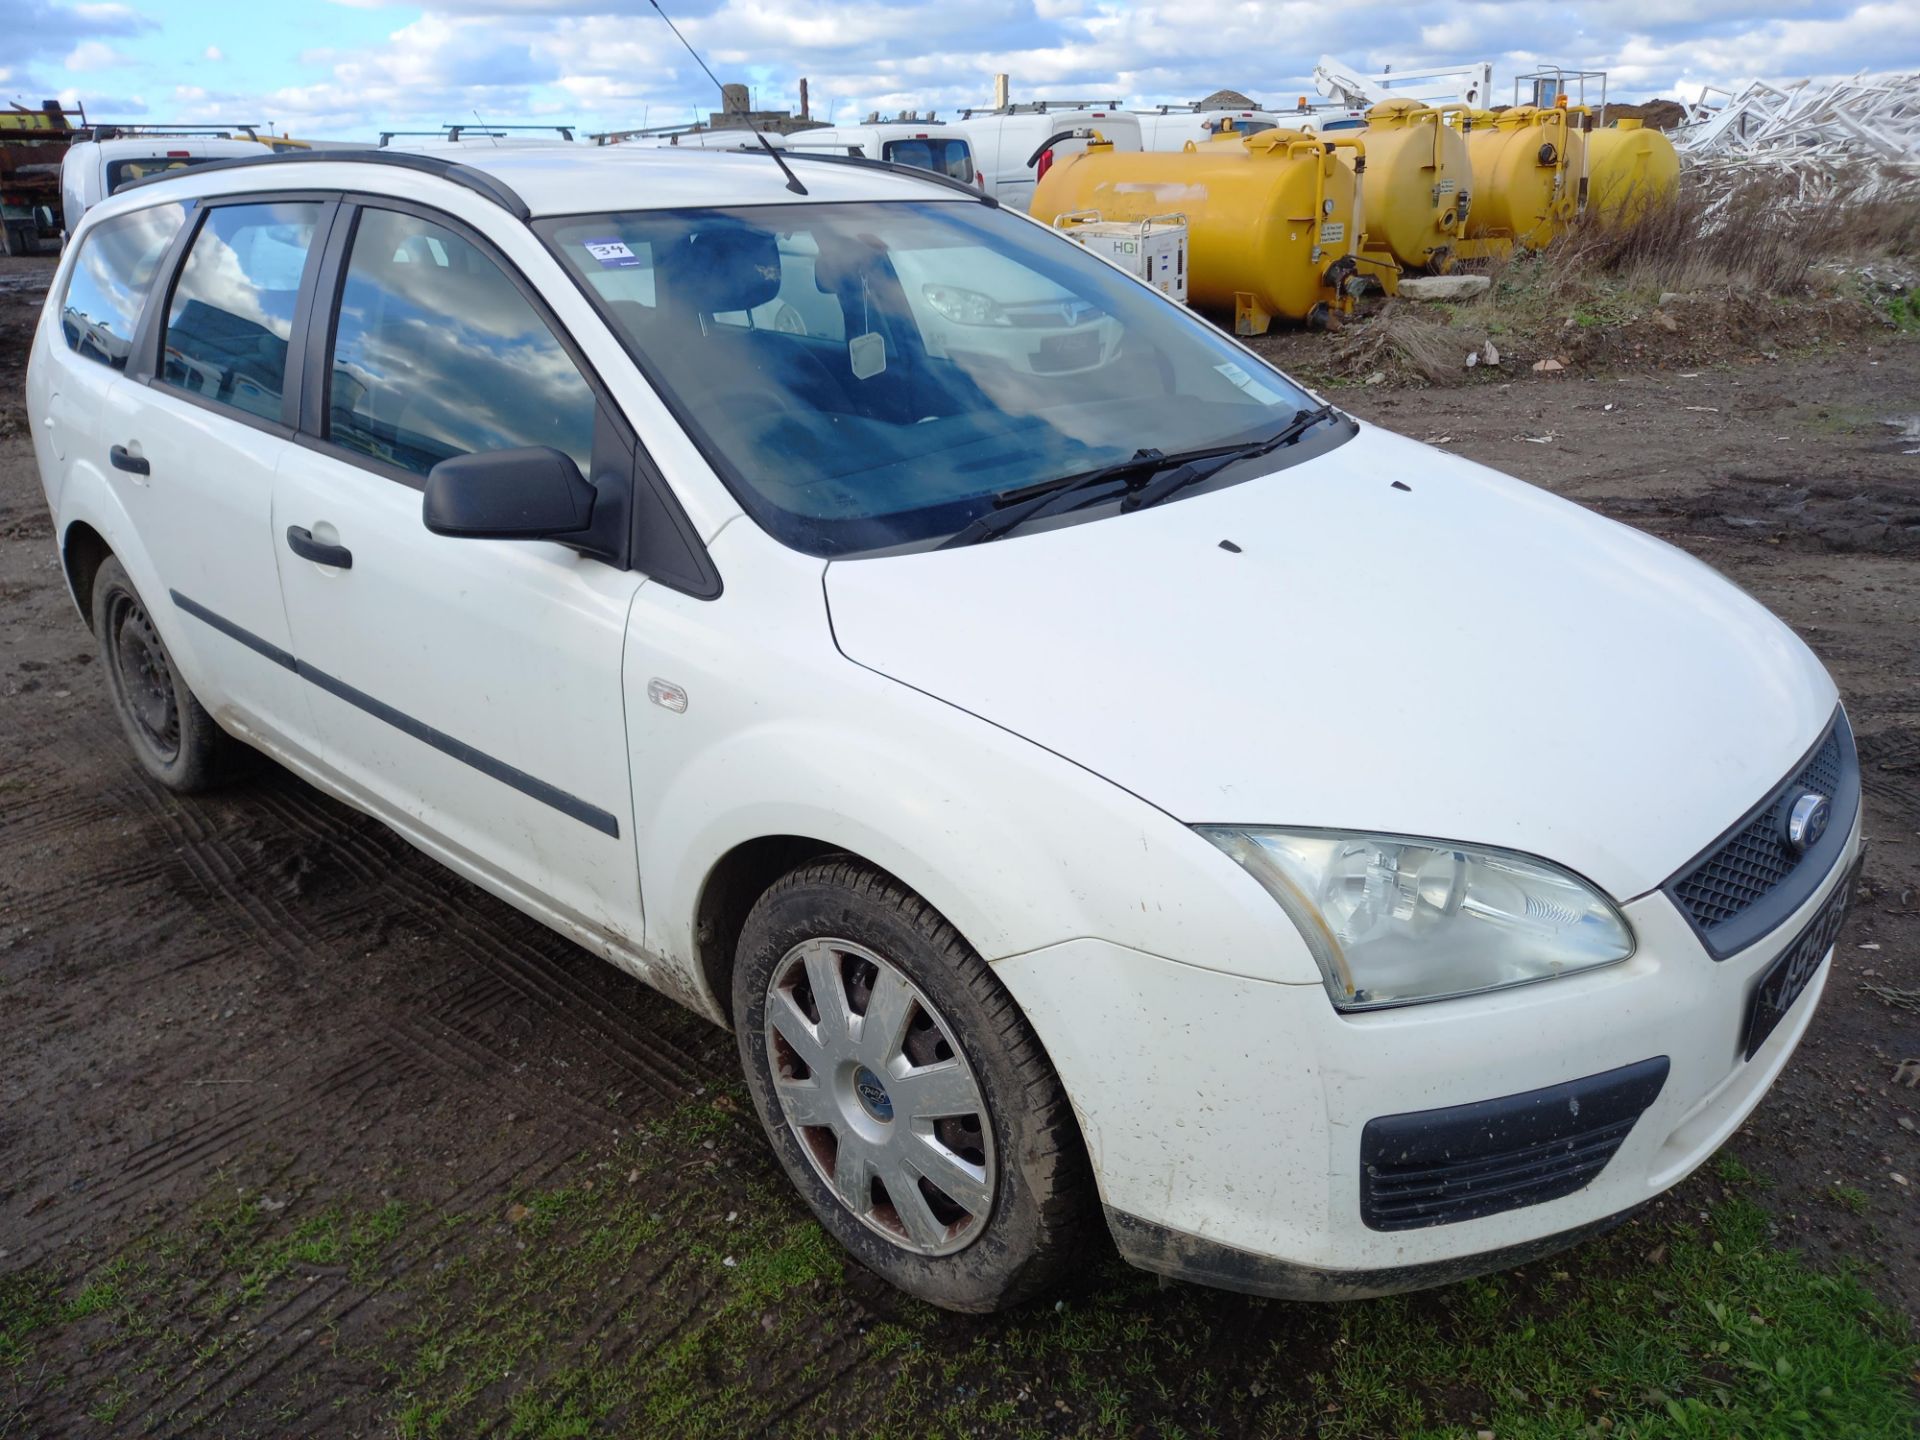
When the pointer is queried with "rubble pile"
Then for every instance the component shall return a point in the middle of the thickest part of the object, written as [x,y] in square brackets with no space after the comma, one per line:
[1825,142]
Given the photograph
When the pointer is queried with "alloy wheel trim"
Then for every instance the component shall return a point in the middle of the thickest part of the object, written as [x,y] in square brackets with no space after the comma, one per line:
[901,1135]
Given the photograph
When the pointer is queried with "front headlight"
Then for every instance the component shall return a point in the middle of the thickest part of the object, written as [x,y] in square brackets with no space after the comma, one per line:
[1393,921]
[964,307]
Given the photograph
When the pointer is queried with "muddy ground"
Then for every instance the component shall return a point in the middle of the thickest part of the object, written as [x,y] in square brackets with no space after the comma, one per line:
[266,995]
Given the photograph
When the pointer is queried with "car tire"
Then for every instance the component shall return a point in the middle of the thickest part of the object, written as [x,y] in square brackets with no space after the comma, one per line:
[901,1111]
[173,737]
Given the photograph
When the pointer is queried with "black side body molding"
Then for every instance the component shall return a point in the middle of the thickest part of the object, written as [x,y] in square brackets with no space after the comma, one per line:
[567,804]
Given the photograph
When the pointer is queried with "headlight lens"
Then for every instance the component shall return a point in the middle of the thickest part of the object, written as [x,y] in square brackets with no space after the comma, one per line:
[964,307]
[1393,921]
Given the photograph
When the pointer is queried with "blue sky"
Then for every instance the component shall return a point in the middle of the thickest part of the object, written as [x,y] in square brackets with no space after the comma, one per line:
[349,68]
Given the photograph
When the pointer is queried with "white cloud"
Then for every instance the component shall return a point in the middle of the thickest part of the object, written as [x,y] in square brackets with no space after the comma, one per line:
[93,55]
[214,53]
[609,63]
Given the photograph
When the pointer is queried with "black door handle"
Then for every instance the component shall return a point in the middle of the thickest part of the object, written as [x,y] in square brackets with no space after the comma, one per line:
[132,464]
[300,540]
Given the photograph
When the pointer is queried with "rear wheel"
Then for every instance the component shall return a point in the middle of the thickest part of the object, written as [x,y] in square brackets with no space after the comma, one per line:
[174,738]
[904,1093]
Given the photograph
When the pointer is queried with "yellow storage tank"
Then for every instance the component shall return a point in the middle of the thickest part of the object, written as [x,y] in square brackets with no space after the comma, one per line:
[1630,169]
[1529,167]
[1270,217]
[1416,187]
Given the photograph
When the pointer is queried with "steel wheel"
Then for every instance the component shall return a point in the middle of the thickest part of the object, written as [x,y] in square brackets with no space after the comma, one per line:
[146,679]
[882,1100]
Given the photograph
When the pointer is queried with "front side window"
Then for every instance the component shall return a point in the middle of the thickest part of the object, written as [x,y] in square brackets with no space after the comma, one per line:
[231,320]
[110,279]
[944,157]
[436,353]
[868,376]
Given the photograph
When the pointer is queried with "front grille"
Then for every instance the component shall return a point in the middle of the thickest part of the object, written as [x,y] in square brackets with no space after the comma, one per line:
[1751,864]
[1437,1167]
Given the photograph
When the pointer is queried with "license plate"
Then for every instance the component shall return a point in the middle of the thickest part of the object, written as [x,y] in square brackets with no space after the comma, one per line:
[1782,981]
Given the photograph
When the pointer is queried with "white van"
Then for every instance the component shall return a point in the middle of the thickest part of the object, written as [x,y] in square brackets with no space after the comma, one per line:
[1170,128]
[94,168]
[1011,149]
[923,144]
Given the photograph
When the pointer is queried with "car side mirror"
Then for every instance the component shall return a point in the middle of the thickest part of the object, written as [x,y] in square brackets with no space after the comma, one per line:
[535,493]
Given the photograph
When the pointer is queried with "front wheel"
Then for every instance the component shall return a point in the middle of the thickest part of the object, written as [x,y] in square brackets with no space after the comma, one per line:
[906,1096]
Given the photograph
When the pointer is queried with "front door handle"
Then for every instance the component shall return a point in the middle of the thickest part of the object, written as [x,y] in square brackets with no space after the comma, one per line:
[300,540]
[123,459]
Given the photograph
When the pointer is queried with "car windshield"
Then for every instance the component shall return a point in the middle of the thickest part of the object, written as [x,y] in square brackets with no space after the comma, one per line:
[872,376]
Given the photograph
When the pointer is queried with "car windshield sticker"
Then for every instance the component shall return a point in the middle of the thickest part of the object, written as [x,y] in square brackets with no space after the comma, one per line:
[613,254]
[1242,380]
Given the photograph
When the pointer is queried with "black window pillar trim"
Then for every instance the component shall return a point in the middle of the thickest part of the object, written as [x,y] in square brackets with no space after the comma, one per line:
[143,365]
[646,529]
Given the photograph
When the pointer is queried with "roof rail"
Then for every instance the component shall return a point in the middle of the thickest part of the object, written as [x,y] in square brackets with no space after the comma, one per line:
[473,179]
[212,130]
[912,172]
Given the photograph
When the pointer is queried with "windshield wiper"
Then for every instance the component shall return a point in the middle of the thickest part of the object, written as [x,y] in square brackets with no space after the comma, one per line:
[1148,477]
[1169,481]
[1052,497]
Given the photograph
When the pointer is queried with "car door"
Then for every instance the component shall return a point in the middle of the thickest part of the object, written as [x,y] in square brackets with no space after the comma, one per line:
[195,433]
[469,691]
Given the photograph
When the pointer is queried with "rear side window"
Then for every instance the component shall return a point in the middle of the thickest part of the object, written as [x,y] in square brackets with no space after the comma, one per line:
[436,353]
[231,318]
[942,156]
[111,278]
[125,172]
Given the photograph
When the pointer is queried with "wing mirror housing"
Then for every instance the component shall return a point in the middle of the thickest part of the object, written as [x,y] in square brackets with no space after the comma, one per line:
[536,493]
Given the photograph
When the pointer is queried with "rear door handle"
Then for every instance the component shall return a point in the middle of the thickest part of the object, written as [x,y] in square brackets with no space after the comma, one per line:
[300,540]
[133,464]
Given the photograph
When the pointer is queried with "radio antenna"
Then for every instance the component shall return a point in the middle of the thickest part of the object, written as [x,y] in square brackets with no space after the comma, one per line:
[793,180]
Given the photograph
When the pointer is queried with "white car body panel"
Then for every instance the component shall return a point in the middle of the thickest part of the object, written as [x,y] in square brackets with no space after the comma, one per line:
[1622,668]
[1022,732]
[1239,1106]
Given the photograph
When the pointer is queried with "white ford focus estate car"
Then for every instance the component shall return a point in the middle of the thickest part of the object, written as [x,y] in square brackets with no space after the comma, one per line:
[1135,793]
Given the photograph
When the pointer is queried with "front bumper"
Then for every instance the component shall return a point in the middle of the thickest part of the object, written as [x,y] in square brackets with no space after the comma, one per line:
[1226,1117]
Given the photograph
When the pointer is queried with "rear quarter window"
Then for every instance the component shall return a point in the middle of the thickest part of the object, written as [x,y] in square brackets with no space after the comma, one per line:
[111,277]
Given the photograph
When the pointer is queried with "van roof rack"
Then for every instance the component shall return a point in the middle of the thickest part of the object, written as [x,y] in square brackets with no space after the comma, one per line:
[211,130]
[484,132]
[474,179]
[1039,107]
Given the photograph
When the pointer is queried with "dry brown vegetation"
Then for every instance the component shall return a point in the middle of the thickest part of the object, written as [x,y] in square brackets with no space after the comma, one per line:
[1702,279]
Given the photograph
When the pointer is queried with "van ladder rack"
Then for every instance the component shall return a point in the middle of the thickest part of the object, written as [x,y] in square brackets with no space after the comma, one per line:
[472,178]
[212,130]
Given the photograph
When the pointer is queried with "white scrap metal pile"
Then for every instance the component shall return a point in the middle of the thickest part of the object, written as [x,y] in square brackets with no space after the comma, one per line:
[1839,140]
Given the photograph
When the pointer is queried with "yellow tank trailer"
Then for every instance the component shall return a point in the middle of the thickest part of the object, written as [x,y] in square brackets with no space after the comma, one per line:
[1271,217]
[1416,189]
[1529,176]
[1630,169]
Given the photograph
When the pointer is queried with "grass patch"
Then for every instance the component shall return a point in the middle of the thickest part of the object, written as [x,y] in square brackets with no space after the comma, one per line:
[672,1287]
